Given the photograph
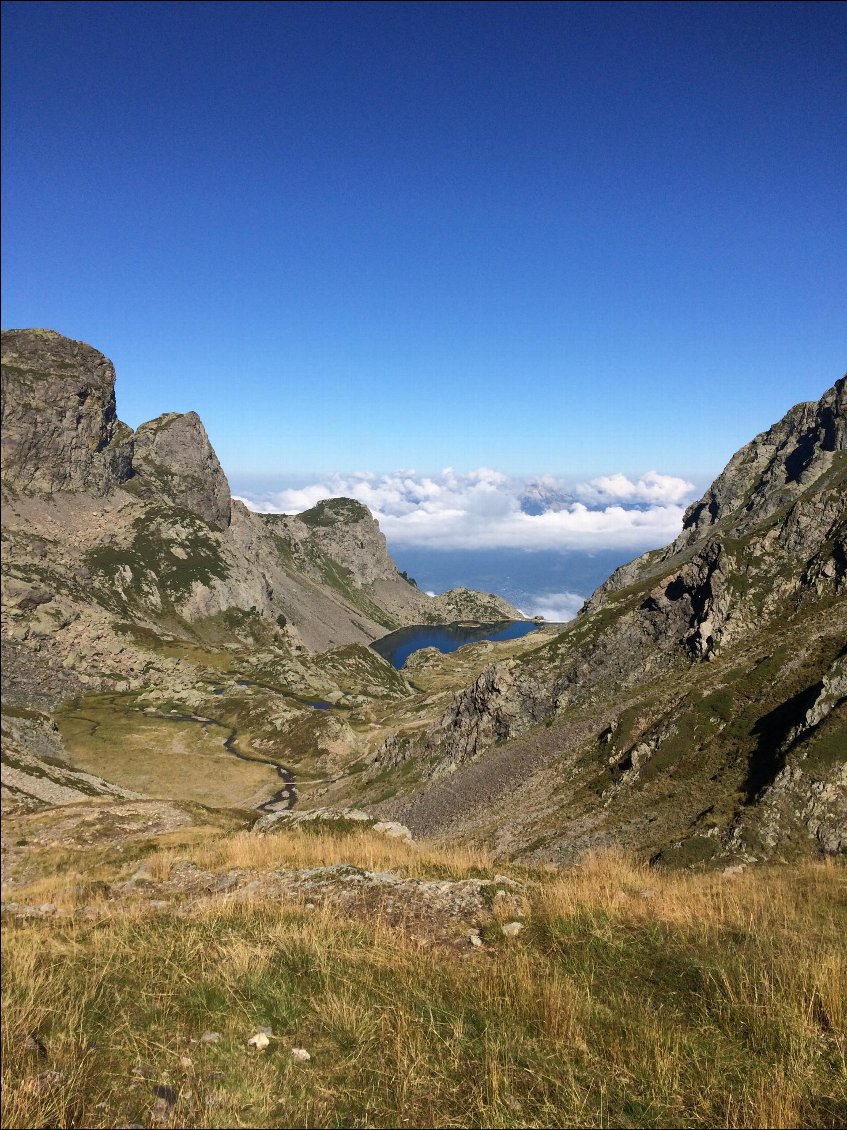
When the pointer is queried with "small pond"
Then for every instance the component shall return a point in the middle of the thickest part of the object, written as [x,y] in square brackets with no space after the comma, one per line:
[398,646]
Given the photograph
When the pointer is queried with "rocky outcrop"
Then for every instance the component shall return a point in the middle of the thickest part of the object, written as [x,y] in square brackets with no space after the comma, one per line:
[503,701]
[464,604]
[346,531]
[174,456]
[790,477]
[333,819]
[773,469]
[338,543]
[60,428]
[61,432]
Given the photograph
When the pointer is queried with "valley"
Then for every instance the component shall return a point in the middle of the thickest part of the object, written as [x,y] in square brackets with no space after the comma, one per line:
[563,874]
[692,712]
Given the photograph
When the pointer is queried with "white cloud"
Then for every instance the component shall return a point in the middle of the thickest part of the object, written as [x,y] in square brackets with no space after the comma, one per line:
[485,509]
[650,487]
[554,606]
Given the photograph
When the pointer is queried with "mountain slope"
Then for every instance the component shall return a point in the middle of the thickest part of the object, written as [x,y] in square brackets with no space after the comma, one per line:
[696,707]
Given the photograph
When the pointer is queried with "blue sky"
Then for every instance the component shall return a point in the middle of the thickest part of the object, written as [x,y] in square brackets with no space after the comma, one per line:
[567,240]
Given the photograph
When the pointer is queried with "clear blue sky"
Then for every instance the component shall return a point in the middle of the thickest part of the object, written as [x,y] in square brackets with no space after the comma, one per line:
[566,238]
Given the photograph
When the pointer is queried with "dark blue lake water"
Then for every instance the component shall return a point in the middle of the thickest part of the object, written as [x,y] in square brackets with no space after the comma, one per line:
[397,647]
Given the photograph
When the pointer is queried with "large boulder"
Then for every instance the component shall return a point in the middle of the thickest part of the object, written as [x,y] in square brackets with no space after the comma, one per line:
[60,429]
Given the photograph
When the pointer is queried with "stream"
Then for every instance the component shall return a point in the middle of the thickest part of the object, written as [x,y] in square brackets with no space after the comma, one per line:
[284,799]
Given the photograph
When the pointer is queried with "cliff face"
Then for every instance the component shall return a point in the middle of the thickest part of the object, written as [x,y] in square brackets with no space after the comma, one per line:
[791,474]
[700,689]
[60,429]
[345,530]
[174,454]
[773,470]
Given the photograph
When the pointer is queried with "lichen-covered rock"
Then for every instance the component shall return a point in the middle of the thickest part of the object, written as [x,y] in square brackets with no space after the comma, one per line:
[60,429]
[286,820]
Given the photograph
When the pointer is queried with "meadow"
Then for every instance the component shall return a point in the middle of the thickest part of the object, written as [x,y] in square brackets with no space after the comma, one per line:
[630,996]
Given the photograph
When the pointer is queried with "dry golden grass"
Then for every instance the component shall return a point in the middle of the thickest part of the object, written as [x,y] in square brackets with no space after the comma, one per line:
[714,1002]
[180,760]
[311,846]
[621,886]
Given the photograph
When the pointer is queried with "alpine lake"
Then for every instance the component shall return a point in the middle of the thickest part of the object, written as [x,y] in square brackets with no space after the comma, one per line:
[399,645]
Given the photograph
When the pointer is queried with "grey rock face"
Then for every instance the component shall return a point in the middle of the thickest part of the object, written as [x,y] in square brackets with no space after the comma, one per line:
[60,430]
[346,531]
[774,468]
[173,453]
[340,538]
[792,476]
[503,701]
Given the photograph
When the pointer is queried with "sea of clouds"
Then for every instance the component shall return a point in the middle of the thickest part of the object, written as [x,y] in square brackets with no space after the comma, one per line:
[486,509]
[557,607]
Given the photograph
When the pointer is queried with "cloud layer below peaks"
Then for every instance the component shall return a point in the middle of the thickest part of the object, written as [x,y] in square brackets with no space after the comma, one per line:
[485,509]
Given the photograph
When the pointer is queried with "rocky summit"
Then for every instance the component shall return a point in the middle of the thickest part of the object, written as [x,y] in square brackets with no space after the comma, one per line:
[162,642]
[60,429]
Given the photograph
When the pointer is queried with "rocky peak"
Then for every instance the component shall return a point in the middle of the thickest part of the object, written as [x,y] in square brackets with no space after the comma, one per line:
[335,512]
[173,453]
[346,531]
[790,476]
[774,468]
[60,428]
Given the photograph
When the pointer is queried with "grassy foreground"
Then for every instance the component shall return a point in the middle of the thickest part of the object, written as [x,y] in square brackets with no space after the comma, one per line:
[630,998]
